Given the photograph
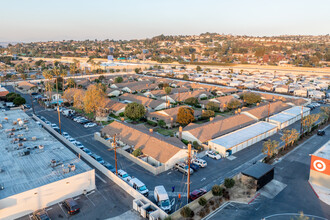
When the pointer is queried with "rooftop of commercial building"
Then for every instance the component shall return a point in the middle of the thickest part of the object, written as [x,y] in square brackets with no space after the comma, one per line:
[323,151]
[27,152]
[296,110]
[244,134]
[281,117]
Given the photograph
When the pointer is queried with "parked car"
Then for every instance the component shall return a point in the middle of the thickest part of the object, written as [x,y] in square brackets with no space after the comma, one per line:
[123,175]
[54,126]
[197,193]
[65,134]
[109,167]
[193,166]
[40,215]
[87,151]
[213,155]
[183,168]
[71,206]
[48,123]
[320,132]
[72,140]
[78,118]
[98,158]
[89,125]
[83,121]
[199,162]
[78,144]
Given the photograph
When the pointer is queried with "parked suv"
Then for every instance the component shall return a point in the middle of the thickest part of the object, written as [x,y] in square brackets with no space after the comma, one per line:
[71,206]
[183,168]
[98,158]
[199,162]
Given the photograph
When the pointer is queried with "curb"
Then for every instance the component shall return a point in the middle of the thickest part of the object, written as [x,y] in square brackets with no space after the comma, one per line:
[313,189]
[215,211]
[258,194]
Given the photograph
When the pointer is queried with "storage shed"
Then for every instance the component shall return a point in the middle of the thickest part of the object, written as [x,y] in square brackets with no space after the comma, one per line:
[240,139]
[262,173]
[282,120]
[288,117]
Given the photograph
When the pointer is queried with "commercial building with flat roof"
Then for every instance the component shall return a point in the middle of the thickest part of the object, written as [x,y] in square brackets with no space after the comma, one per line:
[319,175]
[242,138]
[35,169]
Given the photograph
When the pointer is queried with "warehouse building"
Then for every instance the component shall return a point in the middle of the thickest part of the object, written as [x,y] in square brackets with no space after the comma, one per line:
[240,139]
[319,176]
[36,170]
[261,173]
[288,117]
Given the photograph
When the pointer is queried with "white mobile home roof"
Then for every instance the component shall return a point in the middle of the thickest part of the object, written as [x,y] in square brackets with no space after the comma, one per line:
[296,110]
[281,117]
[237,137]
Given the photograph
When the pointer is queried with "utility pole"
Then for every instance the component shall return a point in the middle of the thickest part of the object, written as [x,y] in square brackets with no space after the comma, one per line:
[188,179]
[301,120]
[115,148]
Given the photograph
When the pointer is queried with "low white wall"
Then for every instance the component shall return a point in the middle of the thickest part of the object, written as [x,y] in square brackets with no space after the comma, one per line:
[29,201]
[121,183]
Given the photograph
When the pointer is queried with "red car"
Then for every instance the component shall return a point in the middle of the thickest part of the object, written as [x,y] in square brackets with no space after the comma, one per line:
[197,193]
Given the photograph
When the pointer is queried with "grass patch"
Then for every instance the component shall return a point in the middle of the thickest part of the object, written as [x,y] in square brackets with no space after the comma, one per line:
[165,132]
[106,122]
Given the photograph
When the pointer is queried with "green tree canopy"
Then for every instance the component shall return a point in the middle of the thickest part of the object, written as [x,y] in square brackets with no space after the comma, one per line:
[234,104]
[19,101]
[191,101]
[207,114]
[212,106]
[168,90]
[251,98]
[119,79]
[185,77]
[134,111]
[11,96]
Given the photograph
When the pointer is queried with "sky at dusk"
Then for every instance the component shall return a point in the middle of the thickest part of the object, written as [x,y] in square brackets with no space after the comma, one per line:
[43,20]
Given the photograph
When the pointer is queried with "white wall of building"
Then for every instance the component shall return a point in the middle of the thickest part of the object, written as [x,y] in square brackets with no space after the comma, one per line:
[29,201]
[241,146]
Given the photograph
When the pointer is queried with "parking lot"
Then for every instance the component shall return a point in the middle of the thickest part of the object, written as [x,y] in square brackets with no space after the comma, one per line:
[107,201]
[214,173]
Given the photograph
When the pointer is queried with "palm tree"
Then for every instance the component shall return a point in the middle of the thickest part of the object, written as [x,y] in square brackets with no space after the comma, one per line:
[73,69]
[63,73]
[49,89]
[290,136]
[270,147]
[48,76]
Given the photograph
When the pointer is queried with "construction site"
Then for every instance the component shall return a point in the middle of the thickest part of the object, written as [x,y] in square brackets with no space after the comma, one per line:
[36,170]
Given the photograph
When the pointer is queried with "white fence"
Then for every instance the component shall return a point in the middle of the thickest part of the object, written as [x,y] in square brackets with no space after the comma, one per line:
[121,183]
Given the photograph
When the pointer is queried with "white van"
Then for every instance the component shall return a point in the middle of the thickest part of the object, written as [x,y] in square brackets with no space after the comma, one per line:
[139,186]
[162,199]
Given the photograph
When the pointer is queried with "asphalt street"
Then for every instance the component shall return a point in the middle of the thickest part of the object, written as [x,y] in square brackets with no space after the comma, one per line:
[297,196]
[214,173]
